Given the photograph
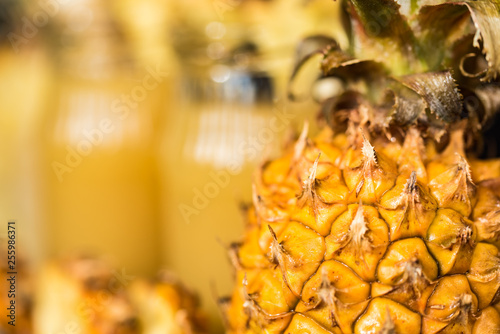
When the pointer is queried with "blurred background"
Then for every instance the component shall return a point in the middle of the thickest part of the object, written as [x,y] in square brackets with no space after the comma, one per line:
[129,132]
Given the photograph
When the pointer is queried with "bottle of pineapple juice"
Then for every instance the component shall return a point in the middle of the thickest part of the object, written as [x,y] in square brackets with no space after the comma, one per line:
[100,166]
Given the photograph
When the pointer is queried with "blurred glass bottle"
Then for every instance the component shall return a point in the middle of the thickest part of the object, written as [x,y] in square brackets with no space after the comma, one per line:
[230,113]
[218,128]
[23,80]
[99,143]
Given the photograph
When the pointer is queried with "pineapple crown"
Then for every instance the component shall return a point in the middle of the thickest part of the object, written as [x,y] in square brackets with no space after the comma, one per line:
[424,63]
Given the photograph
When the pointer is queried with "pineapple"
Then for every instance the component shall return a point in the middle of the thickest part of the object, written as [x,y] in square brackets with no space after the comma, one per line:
[85,295]
[386,221]
[166,306]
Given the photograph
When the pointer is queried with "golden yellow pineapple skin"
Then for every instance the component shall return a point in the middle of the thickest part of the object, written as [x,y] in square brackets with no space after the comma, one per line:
[357,235]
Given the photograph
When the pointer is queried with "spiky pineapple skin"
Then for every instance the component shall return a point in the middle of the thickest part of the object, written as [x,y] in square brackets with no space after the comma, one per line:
[348,234]
[89,294]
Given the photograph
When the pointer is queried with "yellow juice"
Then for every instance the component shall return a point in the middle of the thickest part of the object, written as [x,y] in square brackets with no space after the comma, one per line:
[100,170]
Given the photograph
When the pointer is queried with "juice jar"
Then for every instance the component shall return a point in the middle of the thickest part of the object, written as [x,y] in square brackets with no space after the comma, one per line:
[224,122]
[230,114]
[98,144]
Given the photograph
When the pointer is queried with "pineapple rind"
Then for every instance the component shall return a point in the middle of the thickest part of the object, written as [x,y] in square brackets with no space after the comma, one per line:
[410,231]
